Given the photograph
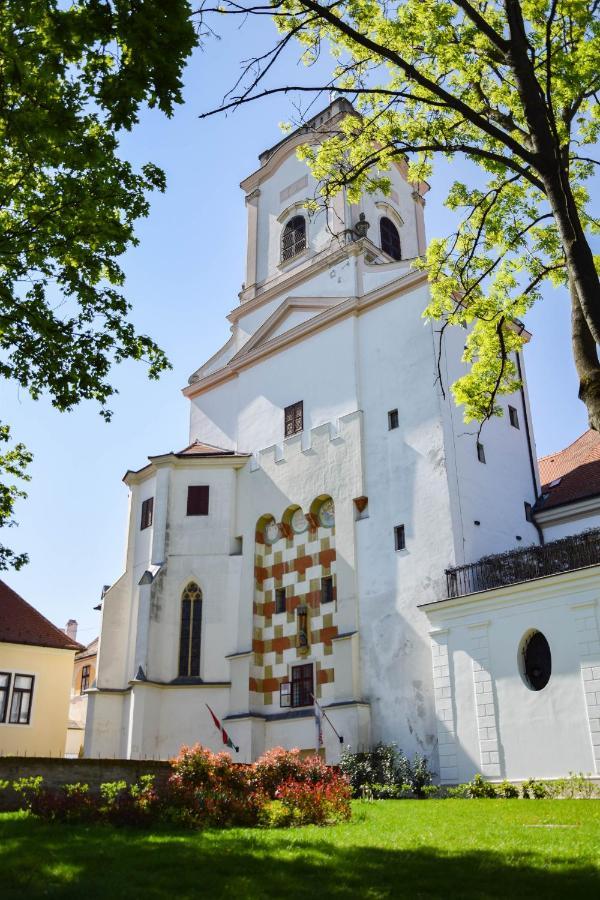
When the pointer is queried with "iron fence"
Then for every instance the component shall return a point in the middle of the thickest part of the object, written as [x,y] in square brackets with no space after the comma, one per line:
[526,564]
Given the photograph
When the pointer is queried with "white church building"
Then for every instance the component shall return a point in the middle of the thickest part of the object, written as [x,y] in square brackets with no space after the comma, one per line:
[324,533]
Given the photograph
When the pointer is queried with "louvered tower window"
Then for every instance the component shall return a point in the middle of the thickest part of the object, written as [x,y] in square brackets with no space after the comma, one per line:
[294,238]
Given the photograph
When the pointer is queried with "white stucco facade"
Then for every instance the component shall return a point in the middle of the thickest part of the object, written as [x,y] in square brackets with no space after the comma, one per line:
[337,327]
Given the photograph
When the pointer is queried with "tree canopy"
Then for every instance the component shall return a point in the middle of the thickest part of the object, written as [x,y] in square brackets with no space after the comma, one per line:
[511,85]
[72,77]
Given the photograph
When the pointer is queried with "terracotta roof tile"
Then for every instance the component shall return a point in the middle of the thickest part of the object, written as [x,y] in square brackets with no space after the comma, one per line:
[200,449]
[571,474]
[20,623]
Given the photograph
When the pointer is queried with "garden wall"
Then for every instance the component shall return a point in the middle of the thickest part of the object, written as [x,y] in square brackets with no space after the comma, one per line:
[93,772]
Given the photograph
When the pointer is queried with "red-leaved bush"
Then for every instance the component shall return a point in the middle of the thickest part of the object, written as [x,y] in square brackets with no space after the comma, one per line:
[206,789]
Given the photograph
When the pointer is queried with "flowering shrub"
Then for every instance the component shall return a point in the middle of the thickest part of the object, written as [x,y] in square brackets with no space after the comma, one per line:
[277,766]
[209,789]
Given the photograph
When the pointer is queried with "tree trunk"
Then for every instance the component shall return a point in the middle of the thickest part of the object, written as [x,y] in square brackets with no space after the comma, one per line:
[585,354]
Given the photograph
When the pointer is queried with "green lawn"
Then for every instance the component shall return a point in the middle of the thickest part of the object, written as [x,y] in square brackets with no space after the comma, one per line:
[451,848]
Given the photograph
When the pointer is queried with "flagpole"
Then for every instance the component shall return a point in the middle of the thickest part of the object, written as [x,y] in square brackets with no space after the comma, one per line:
[324,714]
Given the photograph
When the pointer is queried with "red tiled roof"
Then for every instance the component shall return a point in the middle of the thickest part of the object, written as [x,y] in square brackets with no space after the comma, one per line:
[200,449]
[20,623]
[571,474]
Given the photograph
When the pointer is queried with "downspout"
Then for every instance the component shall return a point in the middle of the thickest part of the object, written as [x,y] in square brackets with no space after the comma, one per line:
[530,449]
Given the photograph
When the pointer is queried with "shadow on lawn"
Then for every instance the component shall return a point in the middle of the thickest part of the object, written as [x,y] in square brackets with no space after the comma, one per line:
[66,861]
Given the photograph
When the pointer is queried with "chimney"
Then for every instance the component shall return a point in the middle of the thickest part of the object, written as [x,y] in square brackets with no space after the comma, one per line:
[71,629]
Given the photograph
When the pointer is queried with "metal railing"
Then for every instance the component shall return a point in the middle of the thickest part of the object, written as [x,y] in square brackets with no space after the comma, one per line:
[564,555]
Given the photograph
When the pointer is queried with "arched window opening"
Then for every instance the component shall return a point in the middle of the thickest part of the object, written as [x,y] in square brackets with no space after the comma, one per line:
[191,631]
[294,238]
[390,239]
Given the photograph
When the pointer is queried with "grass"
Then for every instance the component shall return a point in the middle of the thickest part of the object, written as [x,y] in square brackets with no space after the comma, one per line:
[450,848]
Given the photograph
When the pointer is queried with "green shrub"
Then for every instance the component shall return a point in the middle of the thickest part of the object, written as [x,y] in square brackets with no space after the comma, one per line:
[385,766]
[507,791]
[480,788]
[457,792]
[29,788]
[533,790]
[431,791]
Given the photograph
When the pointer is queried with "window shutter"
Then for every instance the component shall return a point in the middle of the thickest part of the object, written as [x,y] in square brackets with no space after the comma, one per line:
[197,500]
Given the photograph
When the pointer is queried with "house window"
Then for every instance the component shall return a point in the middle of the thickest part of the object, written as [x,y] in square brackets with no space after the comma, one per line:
[302,685]
[191,631]
[85,679]
[147,513]
[400,537]
[197,500]
[293,419]
[480,452]
[528,511]
[390,239]
[293,239]
[20,707]
[280,600]
[392,419]
[513,415]
[4,692]
[327,589]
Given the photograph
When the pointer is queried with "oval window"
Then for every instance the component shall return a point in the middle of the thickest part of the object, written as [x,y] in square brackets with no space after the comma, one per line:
[535,660]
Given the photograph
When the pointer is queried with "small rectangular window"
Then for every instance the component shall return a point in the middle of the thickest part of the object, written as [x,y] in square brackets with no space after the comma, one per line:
[513,415]
[400,537]
[293,419]
[197,500]
[4,692]
[85,679]
[280,600]
[20,707]
[480,452]
[392,419]
[528,511]
[327,589]
[147,513]
[285,694]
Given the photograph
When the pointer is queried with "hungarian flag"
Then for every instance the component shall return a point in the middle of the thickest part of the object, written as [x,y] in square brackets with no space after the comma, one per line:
[226,739]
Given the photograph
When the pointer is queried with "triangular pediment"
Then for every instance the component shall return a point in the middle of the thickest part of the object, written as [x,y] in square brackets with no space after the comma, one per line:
[294,311]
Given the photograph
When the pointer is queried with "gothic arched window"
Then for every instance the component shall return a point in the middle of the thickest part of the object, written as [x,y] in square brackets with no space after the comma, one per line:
[191,631]
[294,238]
[390,239]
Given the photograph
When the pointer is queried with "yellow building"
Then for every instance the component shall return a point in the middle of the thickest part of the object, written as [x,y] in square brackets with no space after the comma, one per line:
[36,669]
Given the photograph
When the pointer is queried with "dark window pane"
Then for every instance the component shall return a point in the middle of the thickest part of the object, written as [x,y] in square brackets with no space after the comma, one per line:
[400,538]
[513,416]
[20,708]
[302,685]
[327,589]
[537,661]
[480,452]
[196,637]
[280,600]
[197,500]
[147,513]
[4,692]
[390,239]
[85,678]
[392,419]
[184,639]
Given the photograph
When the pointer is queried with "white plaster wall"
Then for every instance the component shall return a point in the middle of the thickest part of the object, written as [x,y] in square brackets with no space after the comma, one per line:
[406,483]
[493,493]
[542,734]
[569,526]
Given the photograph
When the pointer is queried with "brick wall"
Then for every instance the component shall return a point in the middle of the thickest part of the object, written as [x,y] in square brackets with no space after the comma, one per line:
[94,772]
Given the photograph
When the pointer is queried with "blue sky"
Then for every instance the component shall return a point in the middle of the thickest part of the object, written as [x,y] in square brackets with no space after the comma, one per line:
[183,279]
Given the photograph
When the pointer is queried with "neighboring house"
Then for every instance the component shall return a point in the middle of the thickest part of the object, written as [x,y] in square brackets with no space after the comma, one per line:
[323,530]
[36,669]
[84,676]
